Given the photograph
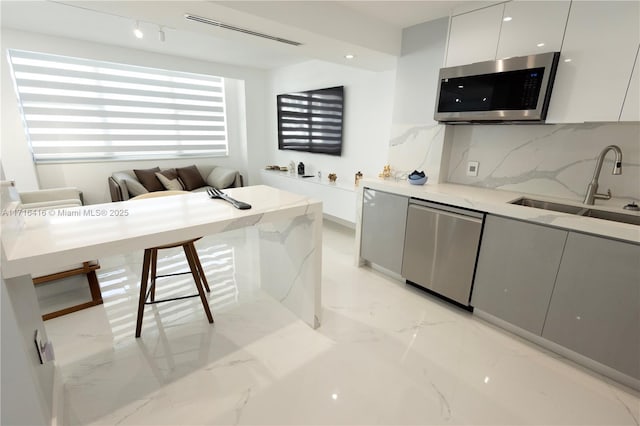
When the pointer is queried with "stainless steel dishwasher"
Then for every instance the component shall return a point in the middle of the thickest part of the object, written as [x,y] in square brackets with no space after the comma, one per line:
[440,248]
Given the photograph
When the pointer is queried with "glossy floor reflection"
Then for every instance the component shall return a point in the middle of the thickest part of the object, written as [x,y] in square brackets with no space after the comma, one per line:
[385,354]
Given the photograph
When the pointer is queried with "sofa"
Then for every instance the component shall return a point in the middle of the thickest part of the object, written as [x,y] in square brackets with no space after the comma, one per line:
[54,198]
[130,183]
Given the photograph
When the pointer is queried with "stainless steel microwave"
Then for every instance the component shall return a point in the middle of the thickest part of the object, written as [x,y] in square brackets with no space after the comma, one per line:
[513,89]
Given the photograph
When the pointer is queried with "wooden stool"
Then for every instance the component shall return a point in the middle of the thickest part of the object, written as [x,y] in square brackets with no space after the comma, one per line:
[88,268]
[149,267]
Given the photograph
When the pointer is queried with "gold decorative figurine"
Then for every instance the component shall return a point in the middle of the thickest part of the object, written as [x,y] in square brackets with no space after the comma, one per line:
[386,172]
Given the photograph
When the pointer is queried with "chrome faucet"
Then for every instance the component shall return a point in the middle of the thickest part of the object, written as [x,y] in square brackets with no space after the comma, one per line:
[592,189]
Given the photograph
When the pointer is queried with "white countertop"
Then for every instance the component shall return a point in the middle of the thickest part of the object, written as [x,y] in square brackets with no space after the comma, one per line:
[33,244]
[497,202]
[340,183]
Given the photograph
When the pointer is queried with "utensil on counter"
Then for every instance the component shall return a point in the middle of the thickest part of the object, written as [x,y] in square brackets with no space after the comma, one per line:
[216,193]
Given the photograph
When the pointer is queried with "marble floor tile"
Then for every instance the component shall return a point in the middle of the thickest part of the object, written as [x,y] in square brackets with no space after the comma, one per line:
[386,353]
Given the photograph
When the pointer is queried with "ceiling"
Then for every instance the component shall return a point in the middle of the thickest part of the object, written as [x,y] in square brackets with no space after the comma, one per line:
[328,30]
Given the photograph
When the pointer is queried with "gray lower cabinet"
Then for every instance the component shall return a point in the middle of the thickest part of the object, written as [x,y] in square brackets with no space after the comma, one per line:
[384,218]
[595,307]
[516,271]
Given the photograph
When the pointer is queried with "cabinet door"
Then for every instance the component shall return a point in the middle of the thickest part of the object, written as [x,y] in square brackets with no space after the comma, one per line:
[384,217]
[516,271]
[473,36]
[534,27]
[595,307]
[598,53]
[631,107]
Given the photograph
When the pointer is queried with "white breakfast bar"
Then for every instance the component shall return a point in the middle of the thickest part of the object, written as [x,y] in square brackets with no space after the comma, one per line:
[290,246]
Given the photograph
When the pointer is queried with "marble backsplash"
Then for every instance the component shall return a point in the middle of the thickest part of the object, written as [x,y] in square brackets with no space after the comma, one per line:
[416,147]
[550,160]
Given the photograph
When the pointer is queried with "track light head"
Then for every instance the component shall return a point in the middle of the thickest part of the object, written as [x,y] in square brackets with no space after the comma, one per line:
[161,35]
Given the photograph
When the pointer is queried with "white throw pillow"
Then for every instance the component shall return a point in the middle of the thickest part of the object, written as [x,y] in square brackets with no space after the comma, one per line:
[221,177]
[170,184]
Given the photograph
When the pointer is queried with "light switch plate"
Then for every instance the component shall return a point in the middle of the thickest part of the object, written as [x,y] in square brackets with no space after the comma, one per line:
[472,168]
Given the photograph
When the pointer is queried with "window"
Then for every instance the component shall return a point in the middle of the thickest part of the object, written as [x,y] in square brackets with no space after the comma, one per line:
[84,110]
[311,121]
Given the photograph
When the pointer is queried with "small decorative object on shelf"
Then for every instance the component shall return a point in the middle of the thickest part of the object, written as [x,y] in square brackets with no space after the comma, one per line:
[417,178]
[301,168]
[279,168]
[292,167]
[332,177]
[386,172]
[358,177]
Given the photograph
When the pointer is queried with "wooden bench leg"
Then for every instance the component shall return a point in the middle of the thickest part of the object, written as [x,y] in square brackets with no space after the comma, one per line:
[94,287]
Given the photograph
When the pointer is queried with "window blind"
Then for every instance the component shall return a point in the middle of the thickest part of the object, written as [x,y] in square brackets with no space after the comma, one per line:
[311,120]
[85,110]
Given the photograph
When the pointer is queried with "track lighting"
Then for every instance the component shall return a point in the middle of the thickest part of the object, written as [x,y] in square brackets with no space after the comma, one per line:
[137,31]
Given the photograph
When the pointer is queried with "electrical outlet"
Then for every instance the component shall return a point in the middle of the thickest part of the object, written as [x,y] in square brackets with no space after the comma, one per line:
[44,348]
[472,168]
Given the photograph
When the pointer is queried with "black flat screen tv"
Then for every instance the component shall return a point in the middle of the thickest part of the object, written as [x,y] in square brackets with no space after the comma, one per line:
[311,121]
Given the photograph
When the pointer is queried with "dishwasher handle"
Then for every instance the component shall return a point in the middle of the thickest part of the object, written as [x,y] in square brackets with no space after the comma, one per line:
[448,210]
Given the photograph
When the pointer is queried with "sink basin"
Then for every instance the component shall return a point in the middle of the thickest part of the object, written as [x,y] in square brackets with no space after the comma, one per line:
[616,217]
[578,210]
[546,205]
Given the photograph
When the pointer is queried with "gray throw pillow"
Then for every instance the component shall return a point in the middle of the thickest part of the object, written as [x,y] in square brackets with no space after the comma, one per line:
[221,177]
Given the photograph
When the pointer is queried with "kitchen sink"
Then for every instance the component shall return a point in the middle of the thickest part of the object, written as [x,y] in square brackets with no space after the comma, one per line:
[616,217]
[578,210]
[546,205]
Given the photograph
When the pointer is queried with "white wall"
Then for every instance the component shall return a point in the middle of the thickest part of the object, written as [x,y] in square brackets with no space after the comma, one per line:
[367,117]
[551,160]
[416,139]
[246,97]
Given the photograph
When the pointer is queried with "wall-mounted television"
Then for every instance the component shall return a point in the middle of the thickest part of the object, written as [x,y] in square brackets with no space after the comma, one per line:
[311,121]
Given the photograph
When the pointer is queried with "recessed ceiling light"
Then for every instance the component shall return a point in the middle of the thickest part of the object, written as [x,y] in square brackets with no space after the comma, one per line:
[507,18]
[540,44]
[349,56]
[568,60]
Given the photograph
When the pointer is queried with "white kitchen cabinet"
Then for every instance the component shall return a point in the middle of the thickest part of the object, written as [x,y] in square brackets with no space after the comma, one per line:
[631,107]
[338,199]
[473,36]
[598,53]
[516,272]
[595,306]
[535,27]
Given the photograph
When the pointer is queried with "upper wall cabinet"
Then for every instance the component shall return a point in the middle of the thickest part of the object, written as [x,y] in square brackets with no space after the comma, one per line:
[531,27]
[598,53]
[631,107]
[473,36]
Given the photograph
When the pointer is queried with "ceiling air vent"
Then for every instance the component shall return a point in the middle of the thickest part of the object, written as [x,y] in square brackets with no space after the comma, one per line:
[234,28]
